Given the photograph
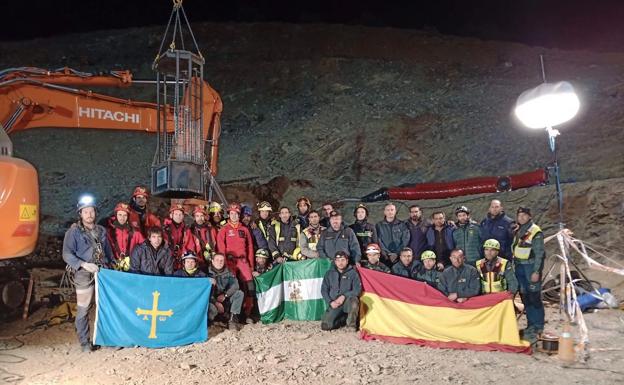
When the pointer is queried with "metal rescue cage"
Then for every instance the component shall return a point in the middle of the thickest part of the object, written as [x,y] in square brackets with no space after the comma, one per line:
[178,169]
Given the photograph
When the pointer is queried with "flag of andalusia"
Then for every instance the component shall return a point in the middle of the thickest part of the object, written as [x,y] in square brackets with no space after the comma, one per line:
[292,290]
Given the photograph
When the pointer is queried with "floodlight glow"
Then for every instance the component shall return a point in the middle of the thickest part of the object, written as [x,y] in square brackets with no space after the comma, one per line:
[547,105]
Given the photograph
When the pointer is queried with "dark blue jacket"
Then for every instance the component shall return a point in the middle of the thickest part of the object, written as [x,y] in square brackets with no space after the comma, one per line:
[409,271]
[303,220]
[499,228]
[260,240]
[418,238]
[448,238]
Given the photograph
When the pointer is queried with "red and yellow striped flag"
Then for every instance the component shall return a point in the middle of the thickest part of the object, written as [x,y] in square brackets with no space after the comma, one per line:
[404,311]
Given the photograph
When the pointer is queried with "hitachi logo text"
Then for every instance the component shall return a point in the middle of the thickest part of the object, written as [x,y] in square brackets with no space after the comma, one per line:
[99,113]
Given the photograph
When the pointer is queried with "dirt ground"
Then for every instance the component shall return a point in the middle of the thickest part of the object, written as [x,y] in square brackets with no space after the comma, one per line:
[290,353]
[297,352]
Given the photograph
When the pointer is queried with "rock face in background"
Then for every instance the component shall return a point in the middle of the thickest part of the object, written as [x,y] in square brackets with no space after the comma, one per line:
[336,112]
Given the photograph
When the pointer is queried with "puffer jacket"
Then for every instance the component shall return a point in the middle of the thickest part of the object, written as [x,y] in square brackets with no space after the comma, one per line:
[147,260]
[468,238]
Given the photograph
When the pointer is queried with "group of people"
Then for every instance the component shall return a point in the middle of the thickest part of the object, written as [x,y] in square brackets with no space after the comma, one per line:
[460,257]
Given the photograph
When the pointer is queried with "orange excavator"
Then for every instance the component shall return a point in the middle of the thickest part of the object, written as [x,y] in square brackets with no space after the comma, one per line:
[37,98]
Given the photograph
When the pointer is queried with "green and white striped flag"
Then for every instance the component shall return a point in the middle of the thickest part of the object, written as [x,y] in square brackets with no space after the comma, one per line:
[270,293]
[292,290]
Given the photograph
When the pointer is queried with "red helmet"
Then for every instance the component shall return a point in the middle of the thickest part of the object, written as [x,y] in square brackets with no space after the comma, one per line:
[200,209]
[122,207]
[234,207]
[175,207]
[141,190]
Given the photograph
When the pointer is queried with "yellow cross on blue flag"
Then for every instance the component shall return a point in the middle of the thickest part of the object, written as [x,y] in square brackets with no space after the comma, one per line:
[150,311]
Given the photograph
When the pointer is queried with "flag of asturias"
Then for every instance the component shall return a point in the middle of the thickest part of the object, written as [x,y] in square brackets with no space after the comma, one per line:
[150,311]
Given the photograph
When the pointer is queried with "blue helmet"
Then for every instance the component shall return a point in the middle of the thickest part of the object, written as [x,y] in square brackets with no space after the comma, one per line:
[246,210]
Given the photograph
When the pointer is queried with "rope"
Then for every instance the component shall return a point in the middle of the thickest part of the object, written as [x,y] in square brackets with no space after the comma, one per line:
[604,256]
[69,277]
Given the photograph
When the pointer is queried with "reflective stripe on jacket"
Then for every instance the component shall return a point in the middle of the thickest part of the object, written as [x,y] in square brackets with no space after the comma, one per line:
[284,243]
[492,281]
[522,244]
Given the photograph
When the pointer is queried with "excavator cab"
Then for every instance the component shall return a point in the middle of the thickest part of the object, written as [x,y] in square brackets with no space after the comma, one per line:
[19,215]
[19,203]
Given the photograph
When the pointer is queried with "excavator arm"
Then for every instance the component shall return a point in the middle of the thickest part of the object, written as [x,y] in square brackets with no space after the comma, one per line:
[37,98]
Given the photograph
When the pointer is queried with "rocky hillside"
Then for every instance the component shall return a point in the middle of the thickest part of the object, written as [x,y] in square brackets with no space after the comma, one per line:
[341,111]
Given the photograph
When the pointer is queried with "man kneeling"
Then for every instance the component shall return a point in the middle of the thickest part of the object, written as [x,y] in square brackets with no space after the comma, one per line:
[225,292]
[340,289]
[189,268]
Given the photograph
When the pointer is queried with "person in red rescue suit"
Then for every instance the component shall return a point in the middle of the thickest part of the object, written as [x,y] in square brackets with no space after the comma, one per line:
[215,212]
[235,242]
[140,217]
[175,233]
[201,237]
[122,237]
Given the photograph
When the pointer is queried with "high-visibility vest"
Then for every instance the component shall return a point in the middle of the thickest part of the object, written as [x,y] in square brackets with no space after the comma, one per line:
[522,244]
[492,281]
[264,231]
[296,254]
[312,242]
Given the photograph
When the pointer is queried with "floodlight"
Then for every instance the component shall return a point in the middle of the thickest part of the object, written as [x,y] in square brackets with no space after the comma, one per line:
[547,105]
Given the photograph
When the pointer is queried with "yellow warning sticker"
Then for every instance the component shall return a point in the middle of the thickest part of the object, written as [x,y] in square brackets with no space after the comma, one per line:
[28,213]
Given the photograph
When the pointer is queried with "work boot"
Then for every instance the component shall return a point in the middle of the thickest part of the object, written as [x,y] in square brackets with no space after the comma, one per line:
[233,322]
[352,321]
[88,347]
[530,335]
[353,316]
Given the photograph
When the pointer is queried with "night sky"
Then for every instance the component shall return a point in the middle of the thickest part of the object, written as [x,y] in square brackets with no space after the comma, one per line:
[589,24]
